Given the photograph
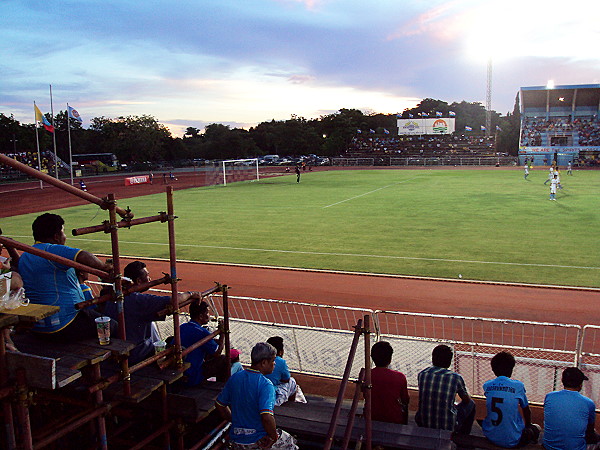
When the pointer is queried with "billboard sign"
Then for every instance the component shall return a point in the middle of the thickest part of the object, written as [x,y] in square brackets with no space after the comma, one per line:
[425,126]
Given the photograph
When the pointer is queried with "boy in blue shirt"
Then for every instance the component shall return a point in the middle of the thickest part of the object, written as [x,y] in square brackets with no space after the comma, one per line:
[503,424]
[285,384]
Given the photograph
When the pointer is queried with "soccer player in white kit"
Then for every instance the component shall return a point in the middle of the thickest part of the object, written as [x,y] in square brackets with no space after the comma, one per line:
[526,174]
[553,185]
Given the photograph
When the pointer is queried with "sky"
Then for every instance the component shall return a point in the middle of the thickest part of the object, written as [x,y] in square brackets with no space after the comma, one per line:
[241,62]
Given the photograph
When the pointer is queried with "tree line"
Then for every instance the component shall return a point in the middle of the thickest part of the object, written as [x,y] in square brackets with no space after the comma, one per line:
[136,139]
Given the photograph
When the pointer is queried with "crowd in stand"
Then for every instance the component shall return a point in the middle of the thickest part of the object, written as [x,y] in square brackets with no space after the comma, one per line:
[29,159]
[569,417]
[426,145]
[586,128]
[250,395]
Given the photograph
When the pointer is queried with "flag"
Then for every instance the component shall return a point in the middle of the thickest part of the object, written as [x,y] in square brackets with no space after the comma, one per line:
[438,114]
[483,128]
[371,131]
[359,131]
[40,118]
[425,114]
[386,131]
[451,113]
[467,128]
[399,116]
[410,116]
[498,128]
[73,114]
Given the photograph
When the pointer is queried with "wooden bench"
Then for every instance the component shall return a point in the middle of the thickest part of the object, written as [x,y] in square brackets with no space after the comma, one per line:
[194,404]
[40,371]
[476,440]
[312,420]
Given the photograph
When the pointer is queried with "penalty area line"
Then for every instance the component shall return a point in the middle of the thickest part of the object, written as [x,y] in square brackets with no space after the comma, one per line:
[370,192]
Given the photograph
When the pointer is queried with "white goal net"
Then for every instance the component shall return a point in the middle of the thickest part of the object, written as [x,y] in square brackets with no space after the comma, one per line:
[232,170]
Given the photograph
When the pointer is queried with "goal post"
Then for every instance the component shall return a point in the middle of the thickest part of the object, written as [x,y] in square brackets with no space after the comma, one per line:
[239,170]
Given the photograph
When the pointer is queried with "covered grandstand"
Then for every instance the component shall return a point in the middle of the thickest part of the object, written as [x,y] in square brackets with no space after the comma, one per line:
[560,124]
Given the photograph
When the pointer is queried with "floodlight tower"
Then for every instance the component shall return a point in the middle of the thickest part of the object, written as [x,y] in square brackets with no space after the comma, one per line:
[488,100]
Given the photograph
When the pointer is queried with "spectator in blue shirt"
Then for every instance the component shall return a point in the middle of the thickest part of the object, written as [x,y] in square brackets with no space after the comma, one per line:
[285,384]
[206,361]
[438,387]
[247,401]
[569,417]
[503,424]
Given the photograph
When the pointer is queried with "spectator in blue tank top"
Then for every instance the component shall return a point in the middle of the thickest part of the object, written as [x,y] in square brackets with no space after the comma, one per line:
[503,424]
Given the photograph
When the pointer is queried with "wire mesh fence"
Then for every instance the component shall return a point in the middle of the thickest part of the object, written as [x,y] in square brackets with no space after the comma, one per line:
[541,350]
[317,339]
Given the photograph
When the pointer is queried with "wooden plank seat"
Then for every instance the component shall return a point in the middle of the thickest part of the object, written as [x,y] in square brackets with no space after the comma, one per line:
[476,440]
[194,404]
[313,418]
[78,354]
[168,374]
[141,389]
[40,371]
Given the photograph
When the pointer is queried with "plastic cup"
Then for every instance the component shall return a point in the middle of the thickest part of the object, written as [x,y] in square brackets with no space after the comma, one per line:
[159,346]
[103,327]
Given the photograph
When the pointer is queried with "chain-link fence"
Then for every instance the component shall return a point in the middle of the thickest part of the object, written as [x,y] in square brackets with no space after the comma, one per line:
[317,339]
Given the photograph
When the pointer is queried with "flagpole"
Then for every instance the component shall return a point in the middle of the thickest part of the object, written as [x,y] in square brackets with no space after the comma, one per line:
[70,152]
[54,136]
[37,141]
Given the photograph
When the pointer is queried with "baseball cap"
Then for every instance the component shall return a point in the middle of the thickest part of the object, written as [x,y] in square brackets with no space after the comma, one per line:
[573,377]
[234,353]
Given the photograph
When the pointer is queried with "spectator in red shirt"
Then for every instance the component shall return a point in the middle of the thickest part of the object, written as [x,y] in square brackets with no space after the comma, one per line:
[389,394]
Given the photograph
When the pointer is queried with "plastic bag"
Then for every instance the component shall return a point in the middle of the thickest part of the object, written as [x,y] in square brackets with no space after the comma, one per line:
[11,299]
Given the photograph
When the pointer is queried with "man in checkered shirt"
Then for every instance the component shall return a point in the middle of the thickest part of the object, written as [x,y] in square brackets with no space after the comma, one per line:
[438,387]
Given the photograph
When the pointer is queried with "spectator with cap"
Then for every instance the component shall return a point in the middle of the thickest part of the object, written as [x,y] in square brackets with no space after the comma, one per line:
[236,365]
[569,417]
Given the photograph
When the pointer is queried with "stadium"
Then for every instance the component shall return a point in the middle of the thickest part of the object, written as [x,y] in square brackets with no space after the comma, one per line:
[420,237]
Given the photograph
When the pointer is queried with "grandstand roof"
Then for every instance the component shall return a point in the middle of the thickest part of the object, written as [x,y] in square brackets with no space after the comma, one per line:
[587,96]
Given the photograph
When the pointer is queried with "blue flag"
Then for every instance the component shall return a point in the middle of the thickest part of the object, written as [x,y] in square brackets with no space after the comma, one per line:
[451,113]
[467,128]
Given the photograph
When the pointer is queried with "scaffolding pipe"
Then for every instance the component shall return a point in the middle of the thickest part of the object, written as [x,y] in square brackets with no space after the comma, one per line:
[340,397]
[226,328]
[135,288]
[73,425]
[173,273]
[22,407]
[367,383]
[59,259]
[105,227]
[102,203]
[184,303]
[353,408]
[9,425]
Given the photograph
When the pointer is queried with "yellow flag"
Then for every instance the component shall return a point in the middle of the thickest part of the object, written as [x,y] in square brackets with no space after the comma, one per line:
[39,117]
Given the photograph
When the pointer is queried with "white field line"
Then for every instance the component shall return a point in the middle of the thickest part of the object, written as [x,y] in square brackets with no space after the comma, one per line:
[370,192]
[357,255]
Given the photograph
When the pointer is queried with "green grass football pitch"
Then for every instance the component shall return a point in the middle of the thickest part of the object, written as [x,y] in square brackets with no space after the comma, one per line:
[482,224]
